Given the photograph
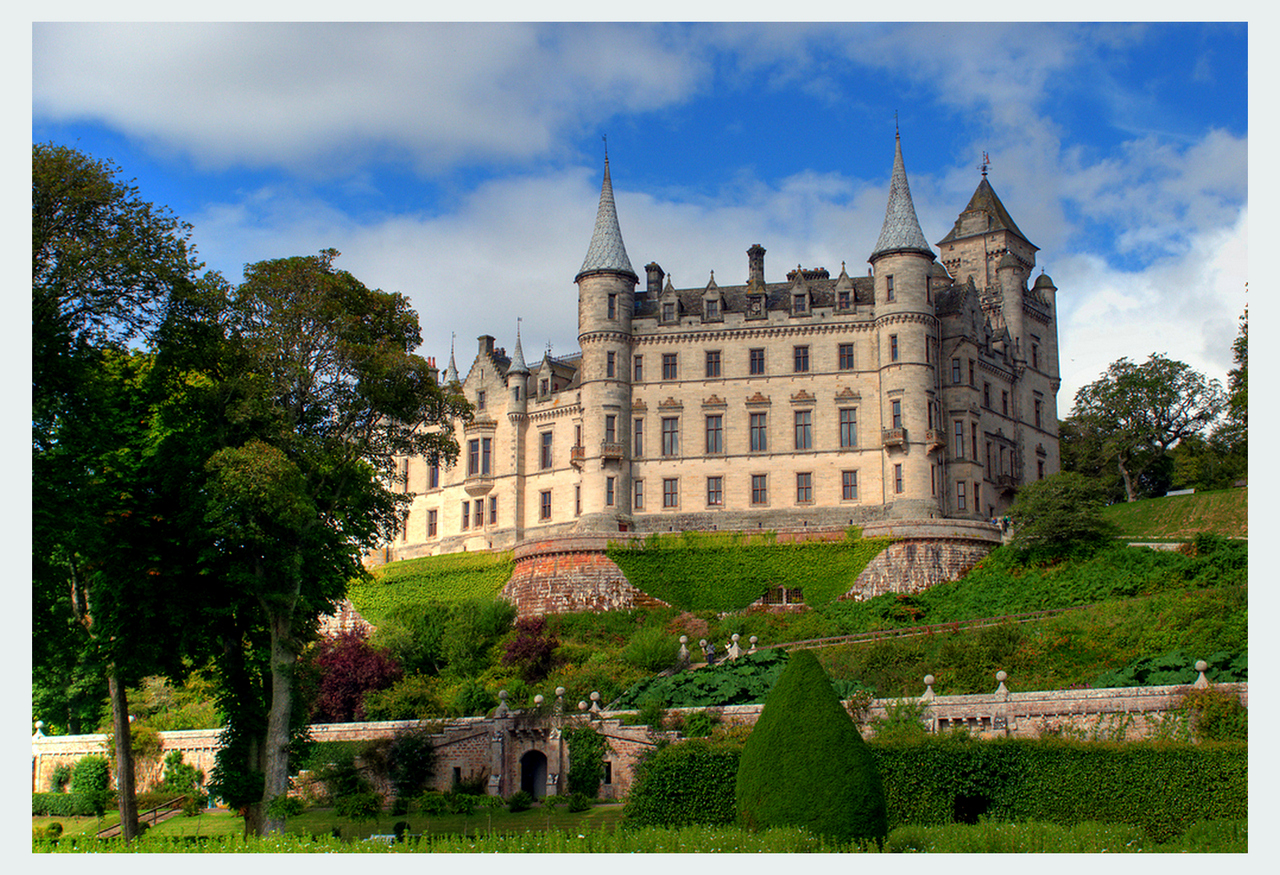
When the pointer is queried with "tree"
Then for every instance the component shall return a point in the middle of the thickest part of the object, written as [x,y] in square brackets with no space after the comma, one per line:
[306,392]
[805,763]
[349,668]
[103,265]
[1059,512]
[1134,414]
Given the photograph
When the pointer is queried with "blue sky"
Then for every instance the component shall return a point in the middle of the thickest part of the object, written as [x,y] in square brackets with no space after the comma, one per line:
[460,164]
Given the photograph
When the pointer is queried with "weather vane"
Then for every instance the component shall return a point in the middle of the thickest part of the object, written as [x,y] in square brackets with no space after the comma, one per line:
[986,163]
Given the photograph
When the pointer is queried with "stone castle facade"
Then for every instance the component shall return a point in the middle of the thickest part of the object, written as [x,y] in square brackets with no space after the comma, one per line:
[926,390]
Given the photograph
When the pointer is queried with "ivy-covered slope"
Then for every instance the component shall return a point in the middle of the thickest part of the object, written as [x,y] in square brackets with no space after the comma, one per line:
[454,577]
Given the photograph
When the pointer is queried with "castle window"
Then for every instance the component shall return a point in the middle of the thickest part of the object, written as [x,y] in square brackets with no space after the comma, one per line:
[432,523]
[895,408]
[933,479]
[977,501]
[1039,408]
[637,489]
[1035,356]
[670,491]
[493,510]
[1004,403]
[715,434]
[638,367]
[610,428]
[958,449]
[544,504]
[1040,469]
[960,499]
[545,457]
[713,363]
[577,500]
[928,350]
[515,393]
[473,457]
[613,306]
[849,485]
[711,309]
[637,439]
[669,365]
[466,514]
[848,427]
[610,365]
[804,488]
[846,356]
[799,304]
[669,312]
[804,429]
[897,478]
[986,395]
[608,491]
[756,358]
[479,513]
[888,288]
[543,386]
[715,491]
[843,299]
[801,359]
[973,447]
[759,433]
[433,476]
[955,372]
[759,489]
[972,379]
[893,347]
[480,400]
[670,435]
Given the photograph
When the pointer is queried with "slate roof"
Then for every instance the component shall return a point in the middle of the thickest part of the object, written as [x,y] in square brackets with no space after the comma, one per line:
[606,252]
[901,230]
[986,200]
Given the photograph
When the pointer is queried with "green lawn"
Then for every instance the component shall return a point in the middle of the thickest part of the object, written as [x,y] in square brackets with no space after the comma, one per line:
[1174,517]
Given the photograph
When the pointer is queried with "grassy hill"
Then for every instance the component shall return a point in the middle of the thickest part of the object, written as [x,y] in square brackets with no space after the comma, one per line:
[1224,512]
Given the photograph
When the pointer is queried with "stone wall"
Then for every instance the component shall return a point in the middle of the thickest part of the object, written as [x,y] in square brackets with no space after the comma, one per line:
[570,574]
[926,553]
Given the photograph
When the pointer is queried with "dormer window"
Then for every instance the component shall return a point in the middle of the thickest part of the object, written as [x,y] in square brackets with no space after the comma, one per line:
[711,309]
[669,311]
[844,299]
[799,303]
[755,307]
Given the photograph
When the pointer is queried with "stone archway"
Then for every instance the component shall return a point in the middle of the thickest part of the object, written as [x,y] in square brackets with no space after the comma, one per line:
[533,773]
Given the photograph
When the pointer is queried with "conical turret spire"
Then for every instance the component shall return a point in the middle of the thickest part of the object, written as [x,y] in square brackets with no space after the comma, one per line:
[606,252]
[901,230]
[451,372]
[517,358]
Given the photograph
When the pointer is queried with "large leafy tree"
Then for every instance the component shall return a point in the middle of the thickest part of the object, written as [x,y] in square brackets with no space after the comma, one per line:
[306,390]
[1060,513]
[1133,415]
[104,263]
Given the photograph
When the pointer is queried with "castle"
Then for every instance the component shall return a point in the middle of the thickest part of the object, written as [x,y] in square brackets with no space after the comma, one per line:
[924,391]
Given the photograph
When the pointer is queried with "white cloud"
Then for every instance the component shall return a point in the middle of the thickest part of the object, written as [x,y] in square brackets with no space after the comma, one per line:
[316,97]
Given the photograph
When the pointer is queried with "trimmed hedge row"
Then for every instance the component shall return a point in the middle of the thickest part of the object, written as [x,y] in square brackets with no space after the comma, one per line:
[61,805]
[1162,788]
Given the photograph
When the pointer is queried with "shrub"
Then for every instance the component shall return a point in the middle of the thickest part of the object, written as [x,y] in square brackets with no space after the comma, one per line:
[579,802]
[182,778]
[903,721]
[62,805]
[700,723]
[359,807]
[412,698]
[1060,513]
[460,803]
[1216,715]
[349,668]
[652,649]
[532,649]
[53,830]
[689,782]
[586,760]
[412,761]
[59,778]
[90,779]
[805,763]
[433,802]
[521,800]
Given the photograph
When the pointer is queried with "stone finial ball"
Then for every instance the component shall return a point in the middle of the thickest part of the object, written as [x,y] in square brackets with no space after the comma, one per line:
[559,692]
[753,639]
[538,700]
[684,639]
[1201,665]
[595,695]
[1001,676]
[582,706]
[928,680]
[502,694]
[734,637]
[702,642]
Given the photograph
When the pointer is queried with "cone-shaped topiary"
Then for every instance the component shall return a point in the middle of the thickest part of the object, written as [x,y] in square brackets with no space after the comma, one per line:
[805,763]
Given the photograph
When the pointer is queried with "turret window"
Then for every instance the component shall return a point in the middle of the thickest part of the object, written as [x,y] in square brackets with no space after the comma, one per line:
[888,288]
[613,306]
[895,408]
[610,364]
[637,488]
[893,347]
[955,372]
[610,428]
[897,478]
[544,505]
[608,490]
[638,368]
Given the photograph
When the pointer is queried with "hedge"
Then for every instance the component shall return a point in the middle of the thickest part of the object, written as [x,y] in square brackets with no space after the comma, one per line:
[61,805]
[1163,788]
[682,784]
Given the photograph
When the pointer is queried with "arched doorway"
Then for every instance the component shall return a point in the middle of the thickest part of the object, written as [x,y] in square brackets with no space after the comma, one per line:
[533,773]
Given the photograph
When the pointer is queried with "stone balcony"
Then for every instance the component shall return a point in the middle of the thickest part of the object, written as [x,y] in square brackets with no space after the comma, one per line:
[478,484]
[935,439]
[576,455]
[612,450]
[894,437]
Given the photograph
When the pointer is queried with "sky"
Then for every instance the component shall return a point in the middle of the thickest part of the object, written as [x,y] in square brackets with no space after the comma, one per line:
[460,163]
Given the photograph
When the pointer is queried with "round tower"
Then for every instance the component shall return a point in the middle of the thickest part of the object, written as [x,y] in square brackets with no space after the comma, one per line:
[907,337]
[606,298]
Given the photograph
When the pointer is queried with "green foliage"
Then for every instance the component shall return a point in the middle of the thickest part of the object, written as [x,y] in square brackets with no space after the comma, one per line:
[903,721]
[285,806]
[412,760]
[690,782]
[184,778]
[1161,787]
[59,778]
[741,681]
[1216,715]
[579,802]
[90,779]
[699,724]
[65,805]
[1060,513]
[728,571]
[1224,513]
[1176,667]
[359,807]
[586,760]
[416,697]
[805,763]
[521,800]
[652,649]
[447,579]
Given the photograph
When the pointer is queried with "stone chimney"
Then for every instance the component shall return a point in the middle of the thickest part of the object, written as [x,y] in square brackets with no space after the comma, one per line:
[755,265]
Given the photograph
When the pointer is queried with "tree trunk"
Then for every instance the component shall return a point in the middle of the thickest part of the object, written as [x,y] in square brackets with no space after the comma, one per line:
[1128,481]
[255,815]
[283,659]
[125,790]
